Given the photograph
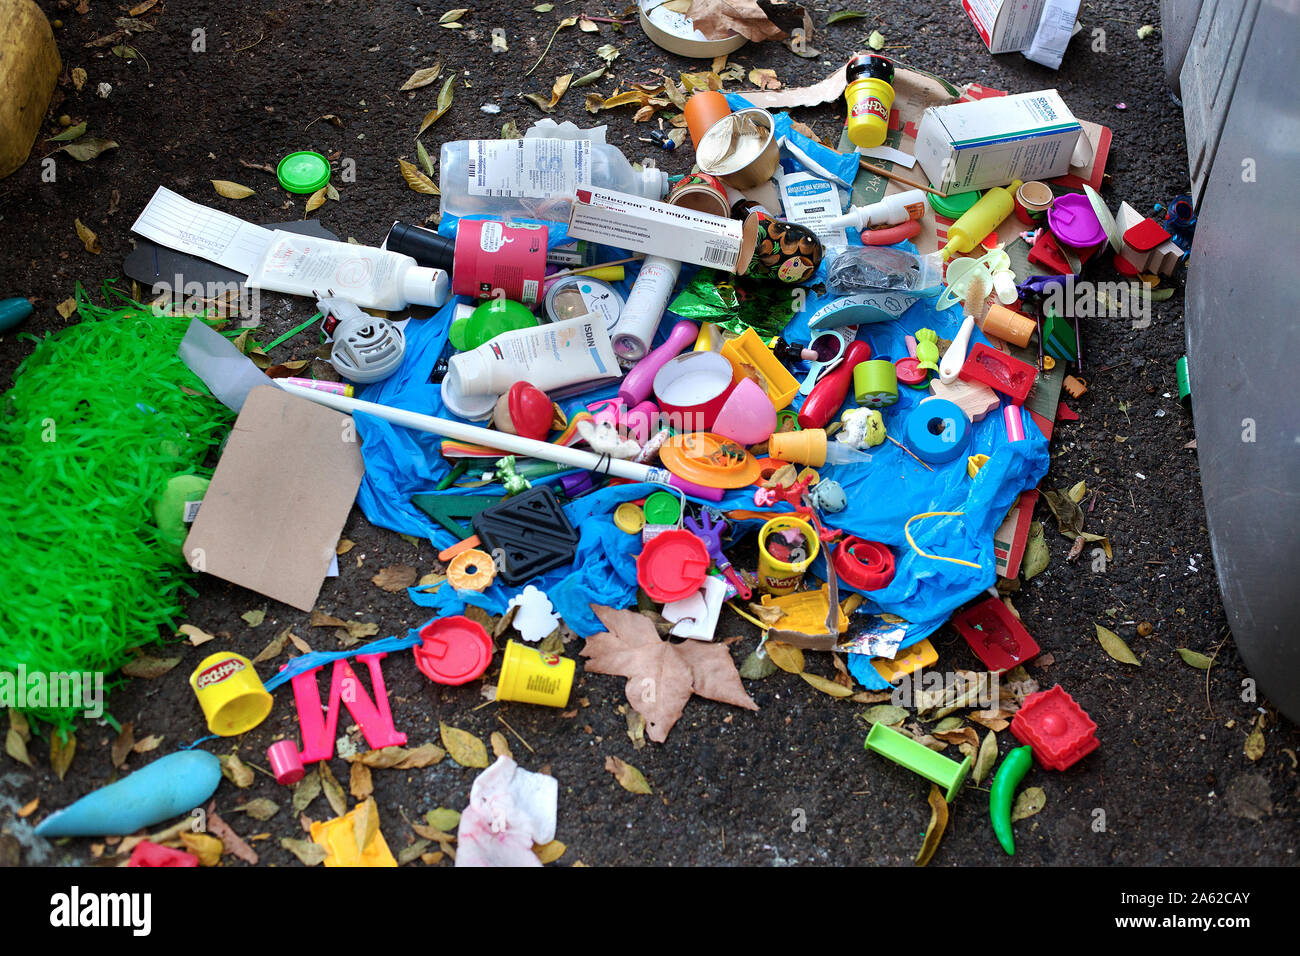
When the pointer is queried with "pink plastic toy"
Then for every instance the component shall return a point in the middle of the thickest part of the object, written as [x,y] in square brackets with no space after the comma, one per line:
[639,382]
[318,730]
[151,854]
[286,763]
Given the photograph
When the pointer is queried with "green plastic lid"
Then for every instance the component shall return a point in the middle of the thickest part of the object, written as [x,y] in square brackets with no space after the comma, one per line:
[303,172]
[662,508]
[951,207]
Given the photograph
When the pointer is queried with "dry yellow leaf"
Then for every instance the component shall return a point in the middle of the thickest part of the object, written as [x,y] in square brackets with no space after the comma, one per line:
[629,778]
[785,656]
[464,748]
[827,686]
[417,180]
[88,238]
[225,187]
[316,200]
[205,846]
[549,852]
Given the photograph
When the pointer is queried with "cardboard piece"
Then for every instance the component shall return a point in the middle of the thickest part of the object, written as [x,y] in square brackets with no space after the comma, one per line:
[280,494]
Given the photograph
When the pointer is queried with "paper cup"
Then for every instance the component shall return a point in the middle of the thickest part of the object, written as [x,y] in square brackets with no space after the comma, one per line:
[531,677]
[784,577]
[230,693]
[1032,200]
[750,168]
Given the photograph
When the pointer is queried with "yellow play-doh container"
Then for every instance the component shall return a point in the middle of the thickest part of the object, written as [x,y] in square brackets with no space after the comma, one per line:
[784,577]
[230,693]
[531,677]
[869,97]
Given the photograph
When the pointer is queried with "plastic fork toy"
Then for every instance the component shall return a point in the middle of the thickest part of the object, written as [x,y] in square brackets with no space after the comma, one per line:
[710,532]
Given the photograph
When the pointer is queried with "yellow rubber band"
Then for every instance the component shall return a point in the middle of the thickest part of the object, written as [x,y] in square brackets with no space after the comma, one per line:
[935,557]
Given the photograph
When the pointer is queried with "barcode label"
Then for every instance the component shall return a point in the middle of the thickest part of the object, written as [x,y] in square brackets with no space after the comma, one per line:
[192,510]
[472,168]
[719,255]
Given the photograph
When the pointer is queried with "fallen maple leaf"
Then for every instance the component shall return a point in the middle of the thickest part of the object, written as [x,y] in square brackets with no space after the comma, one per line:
[661,677]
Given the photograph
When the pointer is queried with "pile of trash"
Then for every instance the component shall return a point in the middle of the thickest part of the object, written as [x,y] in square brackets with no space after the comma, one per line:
[851,356]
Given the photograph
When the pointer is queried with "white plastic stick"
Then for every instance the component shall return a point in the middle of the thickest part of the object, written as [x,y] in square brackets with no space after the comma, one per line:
[515,444]
[955,357]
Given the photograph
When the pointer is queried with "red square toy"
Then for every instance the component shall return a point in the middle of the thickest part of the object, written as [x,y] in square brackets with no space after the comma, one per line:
[994,634]
[1058,729]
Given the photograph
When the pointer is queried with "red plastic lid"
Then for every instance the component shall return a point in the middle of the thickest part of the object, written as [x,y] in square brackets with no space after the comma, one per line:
[454,651]
[672,566]
[909,373]
[864,565]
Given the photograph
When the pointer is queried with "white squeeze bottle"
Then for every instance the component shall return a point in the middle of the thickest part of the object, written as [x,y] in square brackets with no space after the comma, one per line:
[535,178]
[369,277]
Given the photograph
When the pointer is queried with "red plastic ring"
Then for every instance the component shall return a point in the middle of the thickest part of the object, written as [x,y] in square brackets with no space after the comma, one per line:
[864,565]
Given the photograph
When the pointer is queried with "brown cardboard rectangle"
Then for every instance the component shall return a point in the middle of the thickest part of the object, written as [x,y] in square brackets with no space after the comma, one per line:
[279,497]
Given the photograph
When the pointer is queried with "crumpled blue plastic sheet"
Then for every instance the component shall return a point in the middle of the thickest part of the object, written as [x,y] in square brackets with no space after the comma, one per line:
[883,495]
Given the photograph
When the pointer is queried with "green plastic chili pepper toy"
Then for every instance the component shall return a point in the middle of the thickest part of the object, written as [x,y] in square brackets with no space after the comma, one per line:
[1014,767]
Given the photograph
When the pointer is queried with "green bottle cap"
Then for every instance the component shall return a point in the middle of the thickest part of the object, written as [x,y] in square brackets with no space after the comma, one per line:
[951,207]
[303,172]
[662,508]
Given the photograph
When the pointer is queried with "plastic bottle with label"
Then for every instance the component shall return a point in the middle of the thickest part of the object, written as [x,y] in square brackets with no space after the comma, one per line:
[535,178]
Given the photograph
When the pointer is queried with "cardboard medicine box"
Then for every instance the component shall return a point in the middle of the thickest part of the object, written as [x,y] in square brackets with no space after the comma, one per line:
[658,229]
[992,141]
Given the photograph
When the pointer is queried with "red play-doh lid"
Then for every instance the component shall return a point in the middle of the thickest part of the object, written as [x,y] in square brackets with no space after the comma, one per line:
[454,651]
[672,566]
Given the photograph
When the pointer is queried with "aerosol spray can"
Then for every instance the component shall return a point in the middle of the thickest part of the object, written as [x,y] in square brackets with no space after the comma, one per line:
[636,326]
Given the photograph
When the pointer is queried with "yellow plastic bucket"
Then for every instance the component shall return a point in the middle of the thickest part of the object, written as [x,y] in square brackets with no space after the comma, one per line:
[783,577]
[230,693]
[529,676]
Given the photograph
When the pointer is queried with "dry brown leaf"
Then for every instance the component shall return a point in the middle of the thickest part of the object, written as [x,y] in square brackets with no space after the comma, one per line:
[63,746]
[148,744]
[396,578]
[938,823]
[66,307]
[307,851]
[123,744]
[273,649]
[501,747]
[17,737]
[661,676]
[1028,802]
[149,668]
[329,783]
[236,771]
[307,790]
[231,841]
[360,782]
[196,635]
[422,78]
[343,547]
[27,809]
[629,777]
[416,180]
[425,755]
